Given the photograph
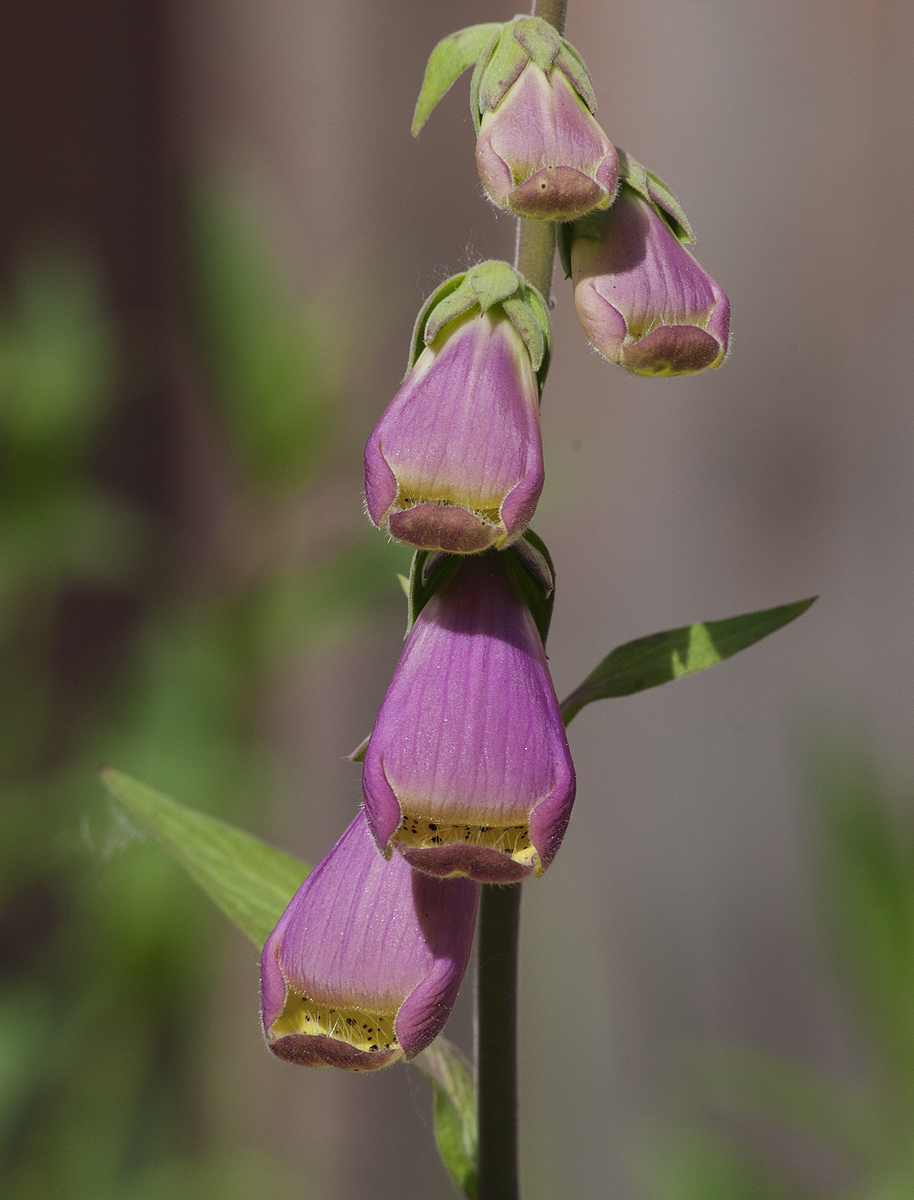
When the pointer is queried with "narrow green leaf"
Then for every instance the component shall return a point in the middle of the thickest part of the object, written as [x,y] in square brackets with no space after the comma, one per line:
[249,880]
[450,58]
[660,657]
[454,1110]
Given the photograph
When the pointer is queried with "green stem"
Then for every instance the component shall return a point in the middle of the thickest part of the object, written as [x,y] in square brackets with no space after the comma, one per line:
[496,1042]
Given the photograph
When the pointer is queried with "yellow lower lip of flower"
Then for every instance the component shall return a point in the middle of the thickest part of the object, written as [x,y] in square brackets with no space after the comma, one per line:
[367,1031]
[492,516]
[421,833]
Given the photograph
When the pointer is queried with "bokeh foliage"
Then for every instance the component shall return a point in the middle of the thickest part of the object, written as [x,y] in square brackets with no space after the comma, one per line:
[106,949]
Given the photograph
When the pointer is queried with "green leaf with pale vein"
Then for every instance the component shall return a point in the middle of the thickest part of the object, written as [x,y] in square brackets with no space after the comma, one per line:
[661,657]
[249,880]
[454,1111]
[450,58]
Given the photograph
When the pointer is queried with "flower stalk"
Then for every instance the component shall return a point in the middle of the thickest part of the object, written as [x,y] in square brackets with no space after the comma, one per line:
[499,907]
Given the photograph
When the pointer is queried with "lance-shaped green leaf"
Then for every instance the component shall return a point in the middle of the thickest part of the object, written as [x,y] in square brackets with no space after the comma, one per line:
[455,1111]
[450,58]
[660,657]
[249,880]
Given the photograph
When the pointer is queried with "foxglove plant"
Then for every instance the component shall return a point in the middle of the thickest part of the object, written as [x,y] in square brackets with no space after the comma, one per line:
[467,775]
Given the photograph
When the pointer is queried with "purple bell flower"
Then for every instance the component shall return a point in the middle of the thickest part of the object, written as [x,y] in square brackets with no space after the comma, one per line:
[643,300]
[456,461]
[467,770]
[366,961]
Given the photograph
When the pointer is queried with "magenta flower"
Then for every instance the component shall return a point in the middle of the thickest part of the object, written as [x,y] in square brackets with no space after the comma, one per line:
[365,963]
[456,461]
[644,302]
[542,154]
[467,770]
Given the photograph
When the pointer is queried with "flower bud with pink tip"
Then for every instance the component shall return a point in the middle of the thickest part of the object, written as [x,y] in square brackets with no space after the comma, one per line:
[467,770]
[540,151]
[643,300]
[366,961]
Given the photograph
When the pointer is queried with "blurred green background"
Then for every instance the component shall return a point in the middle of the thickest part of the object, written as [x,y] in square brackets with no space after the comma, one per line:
[214,235]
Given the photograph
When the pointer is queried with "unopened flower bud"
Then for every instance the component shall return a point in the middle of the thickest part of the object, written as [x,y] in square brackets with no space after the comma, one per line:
[456,461]
[467,770]
[643,300]
[540,151]
[365,963]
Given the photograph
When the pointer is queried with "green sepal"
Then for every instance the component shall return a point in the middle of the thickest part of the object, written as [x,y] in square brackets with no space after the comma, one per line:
[530,569]
[661,657]
[249,880]
[651,187]
[447,62]
[417,345]
[358,754]
[499,67]
[488,284]
[540,40]
[431,569]
[454,1108]
[493,281]
[478,71]
[572,66]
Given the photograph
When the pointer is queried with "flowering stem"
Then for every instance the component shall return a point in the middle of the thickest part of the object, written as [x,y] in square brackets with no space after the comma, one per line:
[496,1042]
[499,908]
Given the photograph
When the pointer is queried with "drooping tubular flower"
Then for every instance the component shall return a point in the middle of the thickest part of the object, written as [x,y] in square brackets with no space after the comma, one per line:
[456,461]
[540,152]
[366,961]
[643,300]
[467,770]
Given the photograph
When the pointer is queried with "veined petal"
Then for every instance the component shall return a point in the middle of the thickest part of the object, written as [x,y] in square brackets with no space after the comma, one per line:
[469,741]
[365,963]
[456,461]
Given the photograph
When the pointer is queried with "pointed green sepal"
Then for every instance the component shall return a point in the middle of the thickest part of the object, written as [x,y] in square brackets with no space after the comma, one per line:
[451,57]
[497,70]
[478,71]
[570,63]
[438,296]
[533,575]
[661,657]
[454,1110]
[652,188]
[540,40]
[358,754]
[249,880]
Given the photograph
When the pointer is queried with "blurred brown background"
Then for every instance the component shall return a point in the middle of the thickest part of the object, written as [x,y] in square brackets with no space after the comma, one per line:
[681,906]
